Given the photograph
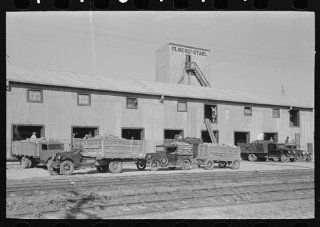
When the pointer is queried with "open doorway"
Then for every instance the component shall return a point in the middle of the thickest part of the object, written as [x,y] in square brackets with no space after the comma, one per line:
[81,131]
[206,137]
[170,133]
[241,137]
[132,133]
[271,136]
[211,113]
[22,132]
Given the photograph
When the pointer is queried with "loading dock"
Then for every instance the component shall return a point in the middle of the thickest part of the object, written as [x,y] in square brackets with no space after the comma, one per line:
[24,131]
[132,133]
[241,137]
[269,135]
[82,131]
[170,133]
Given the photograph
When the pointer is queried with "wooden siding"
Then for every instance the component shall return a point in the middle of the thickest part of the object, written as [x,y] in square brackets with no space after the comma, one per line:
[59,111]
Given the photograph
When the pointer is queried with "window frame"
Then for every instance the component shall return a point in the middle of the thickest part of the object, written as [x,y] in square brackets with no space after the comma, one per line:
[186,109]
[34,89]
[88,94]
[132,107]
[244,111]
[275,116]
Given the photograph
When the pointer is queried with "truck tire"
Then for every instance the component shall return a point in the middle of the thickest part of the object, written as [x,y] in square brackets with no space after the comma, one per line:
[292,160]
[66,167]
[209,165]
[154,165]
[186,164]
[222,164]
[30,163]
[284,158]
[252,157]
[25,162]
[235,164]
[102,169]
[141,165]
[115,166]
[308,159]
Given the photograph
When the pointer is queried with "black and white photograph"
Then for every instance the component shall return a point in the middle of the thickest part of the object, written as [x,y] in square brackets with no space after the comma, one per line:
[160,115]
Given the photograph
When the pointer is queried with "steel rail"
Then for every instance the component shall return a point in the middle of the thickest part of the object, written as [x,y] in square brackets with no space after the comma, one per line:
[117,182]
[211,194]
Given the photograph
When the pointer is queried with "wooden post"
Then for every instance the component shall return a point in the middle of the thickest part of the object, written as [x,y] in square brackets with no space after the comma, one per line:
[102,147]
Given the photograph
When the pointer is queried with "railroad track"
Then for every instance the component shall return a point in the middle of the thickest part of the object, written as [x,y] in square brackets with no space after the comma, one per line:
[71,183]
[145,179]
[191,198]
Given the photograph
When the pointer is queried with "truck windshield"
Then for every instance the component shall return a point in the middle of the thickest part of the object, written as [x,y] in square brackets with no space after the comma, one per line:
[159,148]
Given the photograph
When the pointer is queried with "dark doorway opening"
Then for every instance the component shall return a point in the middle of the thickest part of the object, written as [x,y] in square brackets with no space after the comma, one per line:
[241,137]
[206,137]
[22,132]
[270,136]
[211,113]
[82,131]
[132,133]
[170,133]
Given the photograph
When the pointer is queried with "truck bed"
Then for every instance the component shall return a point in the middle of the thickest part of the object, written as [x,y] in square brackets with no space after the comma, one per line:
[218,152]
[25,148]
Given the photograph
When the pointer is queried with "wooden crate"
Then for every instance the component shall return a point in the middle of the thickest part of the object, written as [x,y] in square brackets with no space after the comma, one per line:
[218,152]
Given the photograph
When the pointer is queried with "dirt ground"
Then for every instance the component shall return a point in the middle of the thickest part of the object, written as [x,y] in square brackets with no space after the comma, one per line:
[14,171]
[271,210]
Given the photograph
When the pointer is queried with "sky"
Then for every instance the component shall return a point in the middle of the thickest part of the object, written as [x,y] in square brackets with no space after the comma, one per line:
[256,52]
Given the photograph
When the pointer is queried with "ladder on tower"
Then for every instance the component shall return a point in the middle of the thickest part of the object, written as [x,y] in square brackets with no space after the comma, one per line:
[195,70]
[210,130]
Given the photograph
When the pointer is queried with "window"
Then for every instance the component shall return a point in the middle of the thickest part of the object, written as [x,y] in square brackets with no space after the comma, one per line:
[132,103]
[294,118]
[276,113]
[182,107]
[211,113]
[35,95]
[247,111]
[84,100]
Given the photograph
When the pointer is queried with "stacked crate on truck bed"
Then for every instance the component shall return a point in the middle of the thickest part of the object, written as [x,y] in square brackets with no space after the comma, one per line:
[217,152]
[113,148]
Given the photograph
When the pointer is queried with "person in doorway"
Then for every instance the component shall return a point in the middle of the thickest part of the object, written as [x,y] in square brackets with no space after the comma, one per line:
[271,139]
[34,135]
[287,140]
[85,137]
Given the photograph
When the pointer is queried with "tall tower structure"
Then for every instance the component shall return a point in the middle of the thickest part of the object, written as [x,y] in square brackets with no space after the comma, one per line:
[180,64]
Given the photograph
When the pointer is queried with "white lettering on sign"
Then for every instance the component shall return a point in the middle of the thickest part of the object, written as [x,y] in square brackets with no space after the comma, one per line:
[189,51]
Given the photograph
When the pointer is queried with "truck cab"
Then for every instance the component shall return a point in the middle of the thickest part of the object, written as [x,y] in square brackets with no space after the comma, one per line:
[169,155]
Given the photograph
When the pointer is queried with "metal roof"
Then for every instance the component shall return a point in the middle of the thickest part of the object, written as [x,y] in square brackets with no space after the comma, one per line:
[78,80]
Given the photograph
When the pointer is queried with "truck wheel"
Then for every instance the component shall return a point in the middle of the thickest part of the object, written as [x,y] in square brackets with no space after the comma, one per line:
[284,158]
[185,165]
[115,166]
[154,165]
[25,162]
[102,169]
[252,157]
[66,167]
[308,159]
[222,164]
[209,165]
[235,164]
[141,165]
[30,164]
[292,160]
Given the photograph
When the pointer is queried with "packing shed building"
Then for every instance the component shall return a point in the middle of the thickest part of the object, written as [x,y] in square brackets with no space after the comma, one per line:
[65,105]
